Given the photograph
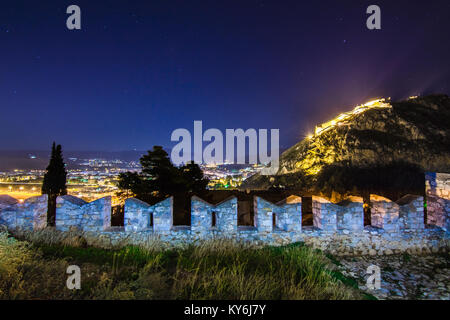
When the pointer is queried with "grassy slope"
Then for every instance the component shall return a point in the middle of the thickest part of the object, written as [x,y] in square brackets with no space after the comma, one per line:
[213,270]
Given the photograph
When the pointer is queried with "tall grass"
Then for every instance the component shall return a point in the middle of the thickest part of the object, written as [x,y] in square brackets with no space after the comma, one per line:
[24,274]
[216,269]
[213,271]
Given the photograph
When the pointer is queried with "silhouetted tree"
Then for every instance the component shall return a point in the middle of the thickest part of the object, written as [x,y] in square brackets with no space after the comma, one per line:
[160,175]
[129,184]
[193,178]
[54,183]
[160,178]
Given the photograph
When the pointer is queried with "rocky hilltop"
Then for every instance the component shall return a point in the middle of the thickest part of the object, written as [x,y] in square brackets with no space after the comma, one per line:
[411,135]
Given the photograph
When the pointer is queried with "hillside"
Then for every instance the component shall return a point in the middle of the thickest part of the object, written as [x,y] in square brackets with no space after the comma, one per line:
[379,138]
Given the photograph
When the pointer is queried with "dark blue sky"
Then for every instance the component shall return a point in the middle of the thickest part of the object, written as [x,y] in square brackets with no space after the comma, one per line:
[140,69]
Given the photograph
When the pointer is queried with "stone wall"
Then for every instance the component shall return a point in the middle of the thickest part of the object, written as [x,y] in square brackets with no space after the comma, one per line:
[163,215]
[346,216]
[325,214]
[73,213]
[337,226]
[141,216]
[437,188]
[286,215]
[350,215]
[385,214]
[289,214]
[263,215]
[69,213]
[203,214]
[137,215]
[411,213]
[30,214]
[8,209]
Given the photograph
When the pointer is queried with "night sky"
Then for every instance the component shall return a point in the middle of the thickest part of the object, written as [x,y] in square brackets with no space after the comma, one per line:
[137,70]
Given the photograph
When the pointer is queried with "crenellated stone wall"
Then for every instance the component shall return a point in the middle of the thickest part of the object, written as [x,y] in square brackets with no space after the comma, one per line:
[286,215]
[69,213]
[289,214]
[30,214]
[324,214]
[411,213]
[8,209]
[263,215]
[396,226]
[163,215]
[73,213]
[437,189]
[208,219]
[137,215]
[350,215]
[385,214]
[141,216]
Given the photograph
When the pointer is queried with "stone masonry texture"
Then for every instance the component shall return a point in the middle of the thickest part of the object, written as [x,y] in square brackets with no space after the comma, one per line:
[338,227]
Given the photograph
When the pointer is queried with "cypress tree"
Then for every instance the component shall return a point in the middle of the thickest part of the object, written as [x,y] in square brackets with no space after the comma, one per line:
[54,183]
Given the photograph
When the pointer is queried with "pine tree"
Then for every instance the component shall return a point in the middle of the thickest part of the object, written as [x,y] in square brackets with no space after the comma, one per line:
[193,177]
[159,175]
[160,178]
[54,183]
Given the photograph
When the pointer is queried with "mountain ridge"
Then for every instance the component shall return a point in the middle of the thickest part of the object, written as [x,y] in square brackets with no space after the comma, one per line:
[413,133]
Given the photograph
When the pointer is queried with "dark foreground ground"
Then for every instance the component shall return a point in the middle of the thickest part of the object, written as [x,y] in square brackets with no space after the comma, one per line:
[402,276]
[211,270]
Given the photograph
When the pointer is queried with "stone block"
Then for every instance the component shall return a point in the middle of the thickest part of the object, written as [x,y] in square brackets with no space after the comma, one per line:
[411,215]
[324,214]
[137,215]
[385,214]
[350,214]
